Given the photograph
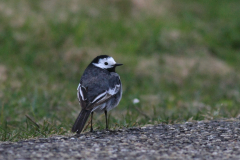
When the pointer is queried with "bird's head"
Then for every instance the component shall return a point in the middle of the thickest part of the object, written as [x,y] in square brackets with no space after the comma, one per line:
[105,62]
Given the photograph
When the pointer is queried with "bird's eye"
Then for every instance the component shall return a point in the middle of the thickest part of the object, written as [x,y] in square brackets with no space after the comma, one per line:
[106,63]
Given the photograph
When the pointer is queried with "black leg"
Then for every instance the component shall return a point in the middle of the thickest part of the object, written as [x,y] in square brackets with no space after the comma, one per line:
[106,119]
[91,122]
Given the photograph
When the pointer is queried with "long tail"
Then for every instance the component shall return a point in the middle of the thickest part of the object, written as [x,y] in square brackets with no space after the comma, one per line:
[80,121]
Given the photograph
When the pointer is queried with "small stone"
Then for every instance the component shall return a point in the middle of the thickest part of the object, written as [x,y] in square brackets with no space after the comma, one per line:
[171,128]
[222,129]
[143,137]
[214,153]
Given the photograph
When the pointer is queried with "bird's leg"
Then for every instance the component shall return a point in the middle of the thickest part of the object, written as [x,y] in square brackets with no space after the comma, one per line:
[91,122]
[106,119]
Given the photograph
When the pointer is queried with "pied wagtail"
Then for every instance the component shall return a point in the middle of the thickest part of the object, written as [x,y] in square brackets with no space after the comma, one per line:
[99,90]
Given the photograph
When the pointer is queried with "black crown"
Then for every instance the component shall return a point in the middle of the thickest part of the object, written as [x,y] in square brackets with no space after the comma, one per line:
[95,60]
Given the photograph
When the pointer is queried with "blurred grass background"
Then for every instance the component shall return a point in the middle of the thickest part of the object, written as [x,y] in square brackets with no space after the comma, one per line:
[181,60]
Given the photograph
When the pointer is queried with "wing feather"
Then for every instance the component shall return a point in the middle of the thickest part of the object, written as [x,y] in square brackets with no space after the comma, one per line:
[82,95]
[103,97]
[99,96]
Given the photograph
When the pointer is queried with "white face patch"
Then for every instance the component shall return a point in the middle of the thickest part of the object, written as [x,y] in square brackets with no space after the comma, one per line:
[105,63]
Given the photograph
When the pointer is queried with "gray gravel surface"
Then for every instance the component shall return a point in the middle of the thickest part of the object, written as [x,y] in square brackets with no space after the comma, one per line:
[191,140]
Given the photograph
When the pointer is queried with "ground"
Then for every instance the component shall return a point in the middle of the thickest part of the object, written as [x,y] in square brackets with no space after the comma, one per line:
[191,140]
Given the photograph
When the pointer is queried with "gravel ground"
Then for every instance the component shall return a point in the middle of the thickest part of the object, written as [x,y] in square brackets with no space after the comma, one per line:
[191,140]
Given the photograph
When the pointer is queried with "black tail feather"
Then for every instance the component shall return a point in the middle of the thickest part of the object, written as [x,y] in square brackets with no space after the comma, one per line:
[80,121]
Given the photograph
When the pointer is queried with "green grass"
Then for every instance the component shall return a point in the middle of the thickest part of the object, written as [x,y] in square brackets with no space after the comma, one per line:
[181,60]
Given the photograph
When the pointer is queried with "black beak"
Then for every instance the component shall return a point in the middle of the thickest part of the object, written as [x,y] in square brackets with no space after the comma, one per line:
[118,64]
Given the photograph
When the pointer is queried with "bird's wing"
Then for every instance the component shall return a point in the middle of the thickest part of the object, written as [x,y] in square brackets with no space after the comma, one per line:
[82,95]
[103,97]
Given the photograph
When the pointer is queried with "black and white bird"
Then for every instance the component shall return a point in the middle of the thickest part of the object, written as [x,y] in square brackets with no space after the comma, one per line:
[99,90]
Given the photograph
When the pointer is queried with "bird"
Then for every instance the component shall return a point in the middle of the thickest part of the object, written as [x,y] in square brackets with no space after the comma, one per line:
[99,90]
